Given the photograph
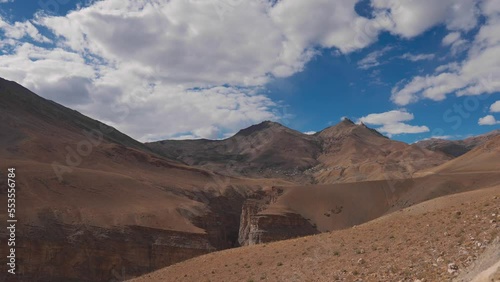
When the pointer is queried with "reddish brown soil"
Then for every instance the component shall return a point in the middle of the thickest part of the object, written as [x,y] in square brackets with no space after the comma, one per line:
[416,243]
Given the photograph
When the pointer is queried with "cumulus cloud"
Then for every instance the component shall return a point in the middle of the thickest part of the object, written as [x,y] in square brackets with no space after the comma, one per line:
[490,7]
[393,122]
[410,18]
[46,70]
[195,67]
[479,73]
[402,128]
[488,120]
[495,108]
[20,30]
[387,117]
[324,23]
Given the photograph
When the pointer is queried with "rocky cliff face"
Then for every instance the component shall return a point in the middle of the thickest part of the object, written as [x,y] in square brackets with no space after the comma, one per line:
[257,226]
[263,228]
[247,227]
[86,253]
[222,221]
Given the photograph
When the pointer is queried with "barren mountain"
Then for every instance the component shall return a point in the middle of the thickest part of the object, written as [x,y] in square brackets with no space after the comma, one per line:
[436,240]
[482,159]
[353,153]
[343,205]
[267,149]
[343,153]
[92,200]
[456,148]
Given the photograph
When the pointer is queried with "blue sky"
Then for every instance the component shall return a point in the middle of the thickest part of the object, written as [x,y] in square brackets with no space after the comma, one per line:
[204,69]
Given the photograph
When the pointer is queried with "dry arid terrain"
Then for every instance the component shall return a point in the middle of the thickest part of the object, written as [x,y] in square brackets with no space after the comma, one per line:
[451,237]
[433,241]
[456,148]
[97,205]
[93,201]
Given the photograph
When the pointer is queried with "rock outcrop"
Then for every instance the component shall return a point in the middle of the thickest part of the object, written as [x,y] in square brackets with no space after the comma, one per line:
[263,228]
[88,253]
[258,226]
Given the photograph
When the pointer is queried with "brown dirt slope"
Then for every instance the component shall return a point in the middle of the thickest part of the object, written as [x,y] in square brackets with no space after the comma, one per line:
[483,158]
[267,149]
[337,206]
[92,200]
[434,240]
[353,153]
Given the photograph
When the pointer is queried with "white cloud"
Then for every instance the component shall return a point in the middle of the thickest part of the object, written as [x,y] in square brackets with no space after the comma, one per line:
[442,137]
[182,41]
[479,73]
[19,30]
[488,120]
[373,59]
[402,128]
[417,57]
[393,122]
[451,38]
[452,67]
[324,23]
[310,132]
[495,108]
[410,18]
[490,7]
[185,137]
[387,117]
[455,41]
[134,64]
[43,69]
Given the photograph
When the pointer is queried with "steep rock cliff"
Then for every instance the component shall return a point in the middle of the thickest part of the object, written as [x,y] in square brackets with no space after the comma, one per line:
[257,226]
[88,253]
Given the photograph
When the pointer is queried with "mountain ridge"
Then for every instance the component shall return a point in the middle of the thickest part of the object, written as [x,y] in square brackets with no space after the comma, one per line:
[456,148]
[345,152]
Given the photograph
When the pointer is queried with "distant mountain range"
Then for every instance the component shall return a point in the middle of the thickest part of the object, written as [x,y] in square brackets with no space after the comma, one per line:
[456,148]
[346,152]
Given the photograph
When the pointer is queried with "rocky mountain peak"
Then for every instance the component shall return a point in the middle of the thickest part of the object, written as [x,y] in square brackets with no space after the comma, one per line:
[265,125]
